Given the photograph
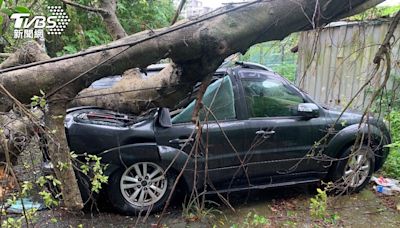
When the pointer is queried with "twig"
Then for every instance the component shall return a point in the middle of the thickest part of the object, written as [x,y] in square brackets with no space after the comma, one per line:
[88,8]
[5,55]
[33,3]
[178,11]
[385,47]
[199,101]
[129,44]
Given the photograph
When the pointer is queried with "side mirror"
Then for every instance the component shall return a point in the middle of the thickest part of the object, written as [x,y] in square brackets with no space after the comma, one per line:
[164,118]
[308,110]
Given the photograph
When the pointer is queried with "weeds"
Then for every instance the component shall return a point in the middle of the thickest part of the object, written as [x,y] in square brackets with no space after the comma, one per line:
[45,190]
[319,208]
[194,211]
[252,219]
[318,205]
[391,167]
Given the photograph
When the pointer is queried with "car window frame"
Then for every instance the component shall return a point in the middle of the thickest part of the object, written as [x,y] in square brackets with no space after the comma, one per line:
[237,103]
[266,76]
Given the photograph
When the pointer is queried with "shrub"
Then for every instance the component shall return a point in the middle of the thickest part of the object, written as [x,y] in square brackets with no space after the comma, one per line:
[392,164]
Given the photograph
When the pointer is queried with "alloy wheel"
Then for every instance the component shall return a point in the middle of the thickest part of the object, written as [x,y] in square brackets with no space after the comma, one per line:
[143,184]
[357,169]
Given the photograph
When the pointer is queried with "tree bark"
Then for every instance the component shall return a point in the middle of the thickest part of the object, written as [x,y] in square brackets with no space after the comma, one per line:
[17,130]
[110,18]
[60,155]
[197,47]
[30,52]
[205,43]
[135,93]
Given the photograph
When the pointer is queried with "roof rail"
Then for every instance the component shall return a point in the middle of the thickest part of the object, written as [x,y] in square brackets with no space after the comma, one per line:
[254,66]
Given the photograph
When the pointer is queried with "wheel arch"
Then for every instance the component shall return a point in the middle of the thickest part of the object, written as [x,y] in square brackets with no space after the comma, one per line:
[176,159]
[347,137]
[127,155]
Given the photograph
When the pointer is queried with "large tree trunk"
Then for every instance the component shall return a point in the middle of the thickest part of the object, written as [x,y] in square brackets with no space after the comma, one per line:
[60,156]
[129,94]
[197,47]
[202,45]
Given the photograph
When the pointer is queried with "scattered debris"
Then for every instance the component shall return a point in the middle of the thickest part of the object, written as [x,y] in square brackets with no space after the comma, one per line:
[384,190]
[24,204]
[386,186]
[387,182]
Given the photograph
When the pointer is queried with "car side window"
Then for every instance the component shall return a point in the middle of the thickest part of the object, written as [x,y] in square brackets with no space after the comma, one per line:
[219,98]
[269,97]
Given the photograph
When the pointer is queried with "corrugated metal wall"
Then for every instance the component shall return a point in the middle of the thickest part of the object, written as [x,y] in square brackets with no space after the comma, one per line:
[333,64]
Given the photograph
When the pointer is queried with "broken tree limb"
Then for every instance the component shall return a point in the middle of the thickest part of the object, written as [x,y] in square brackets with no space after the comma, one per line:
[16,132]
[30,52]
[5,55]
[135,92]
[208,39]
[16,128]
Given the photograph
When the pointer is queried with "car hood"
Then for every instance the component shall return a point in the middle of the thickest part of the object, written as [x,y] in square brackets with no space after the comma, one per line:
[94,130]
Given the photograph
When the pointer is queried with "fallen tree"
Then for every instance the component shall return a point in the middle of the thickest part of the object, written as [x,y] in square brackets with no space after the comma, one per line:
[196,47]
[131,92]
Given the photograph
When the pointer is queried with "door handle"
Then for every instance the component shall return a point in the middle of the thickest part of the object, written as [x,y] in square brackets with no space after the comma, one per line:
[264,133]
[180,142]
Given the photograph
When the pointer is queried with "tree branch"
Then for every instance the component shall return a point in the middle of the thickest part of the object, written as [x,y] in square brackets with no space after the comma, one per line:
[107,11]
[178,11]
[88,8]
[5,55]
[385,46]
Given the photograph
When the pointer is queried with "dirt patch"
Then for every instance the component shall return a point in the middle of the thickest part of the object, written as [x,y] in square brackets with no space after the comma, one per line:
[283,207]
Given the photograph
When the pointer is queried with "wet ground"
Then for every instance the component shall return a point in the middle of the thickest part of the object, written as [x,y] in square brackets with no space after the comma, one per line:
[283,207]
[280,207]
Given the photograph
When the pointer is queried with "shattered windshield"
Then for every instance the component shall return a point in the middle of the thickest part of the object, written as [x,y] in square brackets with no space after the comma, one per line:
[218,98]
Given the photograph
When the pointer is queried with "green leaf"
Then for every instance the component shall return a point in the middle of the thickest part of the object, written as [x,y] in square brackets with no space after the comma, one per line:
[1,22]
[6,11]
[42,103]
[21,9]
[41,181]
[73,155]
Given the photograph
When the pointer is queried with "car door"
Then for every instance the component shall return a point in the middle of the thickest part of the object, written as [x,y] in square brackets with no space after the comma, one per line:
[278,139]
[224,138]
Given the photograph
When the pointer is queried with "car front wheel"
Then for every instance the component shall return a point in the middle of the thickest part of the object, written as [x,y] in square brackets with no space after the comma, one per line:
[354,170]
[141,187]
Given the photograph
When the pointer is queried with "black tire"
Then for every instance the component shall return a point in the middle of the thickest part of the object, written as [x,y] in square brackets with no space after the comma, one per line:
[343,183]
[122,205]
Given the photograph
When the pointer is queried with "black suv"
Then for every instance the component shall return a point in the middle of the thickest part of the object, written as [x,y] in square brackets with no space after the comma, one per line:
[261,131]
